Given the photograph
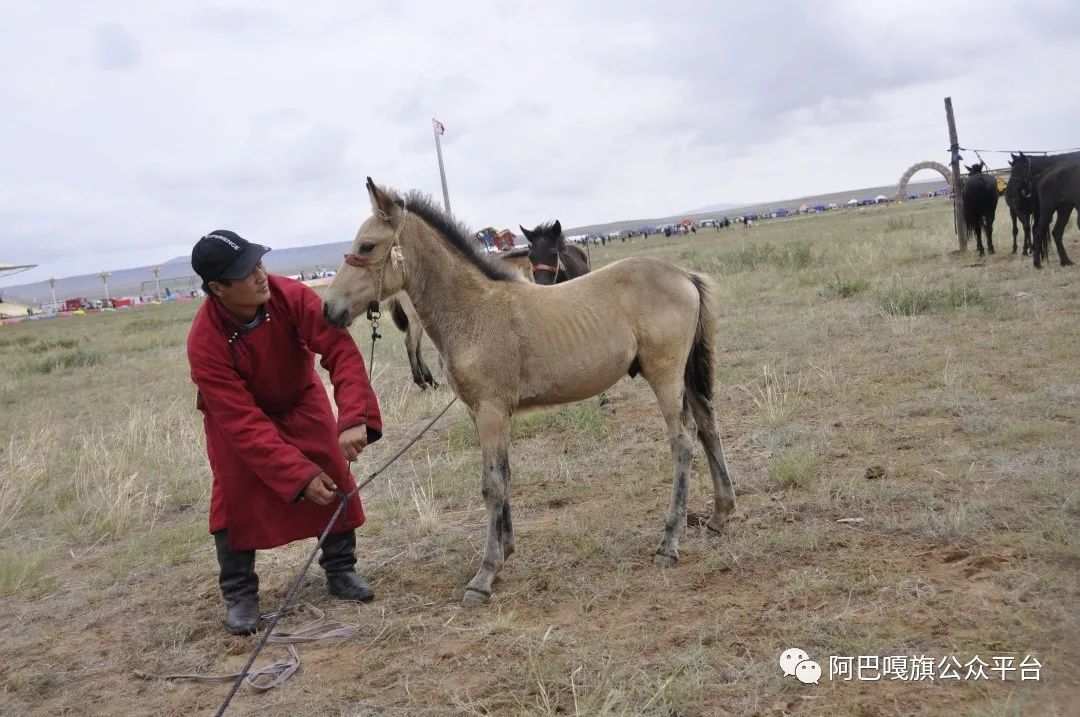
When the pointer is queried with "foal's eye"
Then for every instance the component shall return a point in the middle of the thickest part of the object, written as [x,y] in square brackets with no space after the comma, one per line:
[366,247]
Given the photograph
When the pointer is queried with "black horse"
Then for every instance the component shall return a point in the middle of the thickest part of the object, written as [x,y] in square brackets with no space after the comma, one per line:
[1056,189]
[1020,193]
[980,204]
[553,259]
[1049,185]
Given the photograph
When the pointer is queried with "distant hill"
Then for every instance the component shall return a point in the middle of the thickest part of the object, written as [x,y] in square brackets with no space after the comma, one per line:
[838,197]
[176,273]
[711,208]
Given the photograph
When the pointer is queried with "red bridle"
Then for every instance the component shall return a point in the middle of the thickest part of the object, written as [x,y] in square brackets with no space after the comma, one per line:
[545,267]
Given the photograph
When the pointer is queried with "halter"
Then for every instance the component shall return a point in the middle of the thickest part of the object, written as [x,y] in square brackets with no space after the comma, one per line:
[394,256]
[548,267]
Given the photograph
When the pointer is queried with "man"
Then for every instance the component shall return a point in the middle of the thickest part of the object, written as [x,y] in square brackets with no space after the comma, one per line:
[279,458]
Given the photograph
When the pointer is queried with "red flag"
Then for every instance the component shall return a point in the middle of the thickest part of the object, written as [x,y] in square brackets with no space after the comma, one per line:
[439,126]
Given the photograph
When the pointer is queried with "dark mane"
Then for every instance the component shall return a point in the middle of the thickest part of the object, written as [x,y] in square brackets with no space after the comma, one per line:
[515,253]
[458,235]
[546,228]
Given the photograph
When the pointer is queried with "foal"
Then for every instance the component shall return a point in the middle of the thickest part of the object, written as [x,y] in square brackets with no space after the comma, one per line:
[638,315]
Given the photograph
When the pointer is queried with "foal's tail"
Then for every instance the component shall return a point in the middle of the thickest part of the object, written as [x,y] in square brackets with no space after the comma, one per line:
[701,362]
[401,319]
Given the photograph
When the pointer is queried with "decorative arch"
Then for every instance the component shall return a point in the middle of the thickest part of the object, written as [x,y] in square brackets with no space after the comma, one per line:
[901,186]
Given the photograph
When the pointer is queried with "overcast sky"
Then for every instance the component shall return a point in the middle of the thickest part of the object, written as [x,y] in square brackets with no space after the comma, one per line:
[131,128]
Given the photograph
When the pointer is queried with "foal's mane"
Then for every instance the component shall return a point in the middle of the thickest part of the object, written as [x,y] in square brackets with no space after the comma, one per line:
[546,228]
[457,235]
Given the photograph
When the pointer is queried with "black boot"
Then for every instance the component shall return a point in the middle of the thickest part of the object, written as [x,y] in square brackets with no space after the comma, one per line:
[338,559]
[239,586]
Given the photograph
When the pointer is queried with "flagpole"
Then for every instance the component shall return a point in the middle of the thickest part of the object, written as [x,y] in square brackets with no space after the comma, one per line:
[442,169]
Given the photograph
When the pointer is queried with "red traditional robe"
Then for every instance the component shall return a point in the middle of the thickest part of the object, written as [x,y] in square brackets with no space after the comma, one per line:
[268,422]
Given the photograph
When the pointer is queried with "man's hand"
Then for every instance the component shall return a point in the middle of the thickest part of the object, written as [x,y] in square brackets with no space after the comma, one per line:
[353,441]
[321,490]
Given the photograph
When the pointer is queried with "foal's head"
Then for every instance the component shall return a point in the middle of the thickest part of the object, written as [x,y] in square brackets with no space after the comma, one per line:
[374,268]
[545,243]
[976,168]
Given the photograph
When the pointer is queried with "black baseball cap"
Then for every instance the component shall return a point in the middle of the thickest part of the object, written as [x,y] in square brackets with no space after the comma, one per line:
[225,255]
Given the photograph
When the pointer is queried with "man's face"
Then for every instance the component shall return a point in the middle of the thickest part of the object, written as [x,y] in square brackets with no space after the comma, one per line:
[252,290]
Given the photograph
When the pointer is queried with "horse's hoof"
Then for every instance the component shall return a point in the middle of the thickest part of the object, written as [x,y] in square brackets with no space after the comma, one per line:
[474,597]
[662,560]
[717,524]
[1067,262]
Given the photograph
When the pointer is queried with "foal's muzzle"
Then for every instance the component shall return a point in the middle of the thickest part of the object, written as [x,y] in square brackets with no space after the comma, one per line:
[341,319]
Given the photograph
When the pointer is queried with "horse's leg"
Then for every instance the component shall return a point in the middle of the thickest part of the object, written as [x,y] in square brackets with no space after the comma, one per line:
[988,224]
[507,535]
[1059,231]
[493,427]
[669,394]
[1025,222]
[1015,231]
[414,336]
[1040,240]
[978,237]
[421,373]
[723,492]
[412,345]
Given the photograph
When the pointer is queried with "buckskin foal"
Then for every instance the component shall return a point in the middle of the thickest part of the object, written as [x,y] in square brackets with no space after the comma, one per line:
[638,315]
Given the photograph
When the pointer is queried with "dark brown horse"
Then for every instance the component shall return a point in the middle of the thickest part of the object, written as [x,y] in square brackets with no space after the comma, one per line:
[553,259]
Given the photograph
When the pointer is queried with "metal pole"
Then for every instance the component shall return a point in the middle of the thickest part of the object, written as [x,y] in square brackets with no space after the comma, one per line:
[442,169]
[958,189]
[52,288]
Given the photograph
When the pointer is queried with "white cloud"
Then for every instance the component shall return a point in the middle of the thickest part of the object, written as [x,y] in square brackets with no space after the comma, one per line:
[136,127]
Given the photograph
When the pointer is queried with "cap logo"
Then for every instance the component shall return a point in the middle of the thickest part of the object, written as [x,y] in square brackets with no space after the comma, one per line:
[227,240]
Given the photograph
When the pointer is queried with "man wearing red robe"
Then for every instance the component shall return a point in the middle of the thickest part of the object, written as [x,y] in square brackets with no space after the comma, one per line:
[280,459]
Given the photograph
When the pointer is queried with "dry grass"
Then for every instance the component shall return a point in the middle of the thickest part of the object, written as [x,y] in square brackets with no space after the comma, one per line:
[863,373]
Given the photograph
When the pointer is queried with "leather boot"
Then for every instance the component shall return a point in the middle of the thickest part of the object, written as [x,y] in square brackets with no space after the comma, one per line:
[239,586]
[338,559]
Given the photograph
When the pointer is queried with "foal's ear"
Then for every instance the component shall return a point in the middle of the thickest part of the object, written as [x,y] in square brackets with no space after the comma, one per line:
[383,204]
[556,228]
[528,234]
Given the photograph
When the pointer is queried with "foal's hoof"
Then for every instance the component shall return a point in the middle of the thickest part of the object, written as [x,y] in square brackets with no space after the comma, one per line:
[1067,262]
[662,560]
[474,597]
[717,523]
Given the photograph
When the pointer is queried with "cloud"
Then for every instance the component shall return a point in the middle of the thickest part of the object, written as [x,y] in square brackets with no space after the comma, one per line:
[115,48]
[145,133]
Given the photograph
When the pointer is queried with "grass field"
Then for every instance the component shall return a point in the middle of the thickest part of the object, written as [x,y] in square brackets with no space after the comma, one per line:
[864,372]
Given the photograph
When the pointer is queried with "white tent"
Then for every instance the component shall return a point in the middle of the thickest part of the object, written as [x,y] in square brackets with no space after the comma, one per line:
[851,202]
[881,198]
